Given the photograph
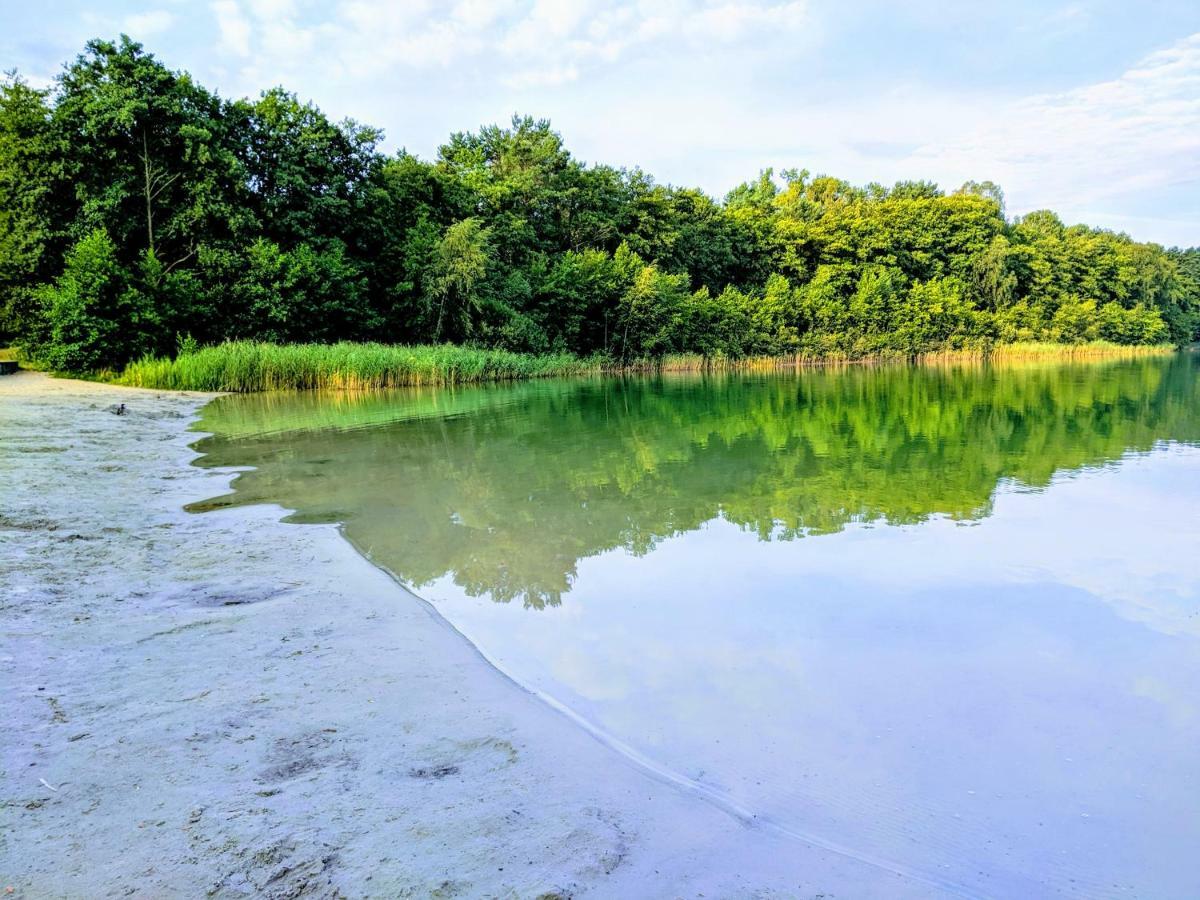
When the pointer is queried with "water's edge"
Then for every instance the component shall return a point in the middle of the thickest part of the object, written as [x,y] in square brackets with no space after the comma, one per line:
[656,770]
[637,760]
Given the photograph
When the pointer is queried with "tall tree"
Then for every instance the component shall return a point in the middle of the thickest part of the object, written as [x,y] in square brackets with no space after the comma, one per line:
[149,153]
[30,161]
[458,268]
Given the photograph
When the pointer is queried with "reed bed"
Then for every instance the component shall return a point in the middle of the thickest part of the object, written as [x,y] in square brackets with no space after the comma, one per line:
[1024,351]
[688,362]
[1089,350]
[244,366]
[248,366]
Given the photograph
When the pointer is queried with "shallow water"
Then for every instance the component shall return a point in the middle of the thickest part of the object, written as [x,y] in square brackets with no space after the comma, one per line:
[946,620]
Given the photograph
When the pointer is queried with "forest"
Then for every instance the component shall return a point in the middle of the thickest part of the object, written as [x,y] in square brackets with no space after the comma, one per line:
[142,215]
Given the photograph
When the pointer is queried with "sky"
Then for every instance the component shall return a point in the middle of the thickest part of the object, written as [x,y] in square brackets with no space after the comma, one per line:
[1089,108]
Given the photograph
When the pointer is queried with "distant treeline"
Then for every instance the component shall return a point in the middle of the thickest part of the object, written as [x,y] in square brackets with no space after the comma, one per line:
[140,212]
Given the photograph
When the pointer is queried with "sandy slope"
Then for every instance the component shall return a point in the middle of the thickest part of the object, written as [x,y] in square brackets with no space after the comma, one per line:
[225,705]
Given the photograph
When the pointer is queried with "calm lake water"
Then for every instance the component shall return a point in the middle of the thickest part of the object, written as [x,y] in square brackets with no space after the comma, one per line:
[943,619]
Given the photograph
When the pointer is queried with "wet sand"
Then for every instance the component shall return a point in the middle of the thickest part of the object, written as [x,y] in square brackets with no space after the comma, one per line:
[223,705]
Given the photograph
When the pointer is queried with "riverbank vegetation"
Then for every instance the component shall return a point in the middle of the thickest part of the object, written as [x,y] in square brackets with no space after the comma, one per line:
[142,215]
[247,366]
[255,366]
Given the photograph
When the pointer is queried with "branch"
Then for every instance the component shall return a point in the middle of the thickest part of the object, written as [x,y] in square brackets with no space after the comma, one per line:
[182,259]
[159,187]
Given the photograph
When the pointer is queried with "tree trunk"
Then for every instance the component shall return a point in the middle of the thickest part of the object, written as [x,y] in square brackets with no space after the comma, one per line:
[149,192]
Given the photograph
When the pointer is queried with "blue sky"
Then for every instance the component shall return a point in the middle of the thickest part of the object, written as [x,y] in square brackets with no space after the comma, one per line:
[1089,108]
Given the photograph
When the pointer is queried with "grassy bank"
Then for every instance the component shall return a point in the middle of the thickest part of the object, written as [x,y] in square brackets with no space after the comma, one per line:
[1026,351]
[250,366]
[244,366]
[1038,350]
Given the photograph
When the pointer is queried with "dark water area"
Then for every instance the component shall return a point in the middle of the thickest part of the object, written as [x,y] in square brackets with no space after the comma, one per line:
[946,619]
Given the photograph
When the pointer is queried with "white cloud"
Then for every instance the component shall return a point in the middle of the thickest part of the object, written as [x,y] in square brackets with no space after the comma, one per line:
[481,13]
[732,21]
[233,26]
[568,37]
[541,77]
[142,25]
[532,43]
[545,28]
[1087,146]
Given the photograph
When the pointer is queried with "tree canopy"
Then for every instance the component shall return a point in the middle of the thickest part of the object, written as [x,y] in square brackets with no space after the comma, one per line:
[139,209]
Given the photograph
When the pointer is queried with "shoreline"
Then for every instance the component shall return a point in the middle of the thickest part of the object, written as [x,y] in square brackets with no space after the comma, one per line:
[720,801]
[227,704]
[247,367]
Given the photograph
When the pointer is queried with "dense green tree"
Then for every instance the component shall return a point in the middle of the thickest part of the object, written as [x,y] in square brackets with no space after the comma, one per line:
[575,300]
[29,166]
[301,294]
[991,278]
[307,175]
[148,154]
[650,314]
[1183,315]
[94,317]
[453,280]
[523,180]
[404,206]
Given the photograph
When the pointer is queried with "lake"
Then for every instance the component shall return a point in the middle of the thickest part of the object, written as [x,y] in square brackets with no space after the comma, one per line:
[945,619]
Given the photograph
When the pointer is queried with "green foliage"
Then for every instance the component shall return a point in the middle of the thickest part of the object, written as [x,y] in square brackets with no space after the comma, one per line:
[453,278]
[27,187]
[151,156]
[650,314]
[306,174]
[93,317]
[301,294]
[1139,325]
[936,313]
[264,220]
[1077,321]
[572,300]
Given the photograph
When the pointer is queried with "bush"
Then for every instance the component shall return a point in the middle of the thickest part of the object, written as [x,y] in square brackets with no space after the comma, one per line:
[1075,321]
[1138,325]
[94,318]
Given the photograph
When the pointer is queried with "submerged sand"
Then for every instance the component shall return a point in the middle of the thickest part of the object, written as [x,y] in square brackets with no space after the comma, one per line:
[224,705]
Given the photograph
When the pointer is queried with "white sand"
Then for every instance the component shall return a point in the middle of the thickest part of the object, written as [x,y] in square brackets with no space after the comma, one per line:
[225,705]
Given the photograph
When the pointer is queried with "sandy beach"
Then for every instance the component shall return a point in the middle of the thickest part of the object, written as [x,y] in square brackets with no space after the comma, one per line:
[224,705]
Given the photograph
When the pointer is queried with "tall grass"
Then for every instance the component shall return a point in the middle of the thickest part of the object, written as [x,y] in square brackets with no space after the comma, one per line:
[250,366]
[1088,350]
[1022,351]
[693,362]
[243,366]
[1041,353]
